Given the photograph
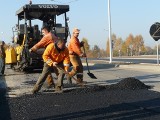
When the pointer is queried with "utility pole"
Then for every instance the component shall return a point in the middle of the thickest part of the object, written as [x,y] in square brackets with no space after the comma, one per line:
[157,54]
[110,39]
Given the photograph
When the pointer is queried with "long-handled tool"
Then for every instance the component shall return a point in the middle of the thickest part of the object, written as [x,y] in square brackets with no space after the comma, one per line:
[89,73]
[81,84]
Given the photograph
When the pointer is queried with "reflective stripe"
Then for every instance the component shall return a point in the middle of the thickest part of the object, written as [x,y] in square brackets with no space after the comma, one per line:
[66,64]
[79,73]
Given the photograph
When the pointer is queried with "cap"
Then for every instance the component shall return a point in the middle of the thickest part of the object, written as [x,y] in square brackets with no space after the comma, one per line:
[76,30]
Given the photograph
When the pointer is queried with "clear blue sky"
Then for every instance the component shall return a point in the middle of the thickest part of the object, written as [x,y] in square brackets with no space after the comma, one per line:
[127,16]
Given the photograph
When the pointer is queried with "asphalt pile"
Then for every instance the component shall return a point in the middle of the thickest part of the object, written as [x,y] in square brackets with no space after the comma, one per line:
[130,83]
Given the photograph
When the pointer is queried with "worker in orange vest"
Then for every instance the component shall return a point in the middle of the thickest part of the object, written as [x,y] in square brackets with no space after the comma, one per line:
[47,39]
[75,53]
[55,55]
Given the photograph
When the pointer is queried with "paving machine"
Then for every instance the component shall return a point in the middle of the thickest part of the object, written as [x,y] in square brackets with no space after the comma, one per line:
[26,34]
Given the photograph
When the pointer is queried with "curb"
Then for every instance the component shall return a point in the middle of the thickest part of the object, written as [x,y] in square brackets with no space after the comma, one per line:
[127,65]
[142,66]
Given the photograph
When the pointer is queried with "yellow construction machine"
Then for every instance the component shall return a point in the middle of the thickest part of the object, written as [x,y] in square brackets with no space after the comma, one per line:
[27,33]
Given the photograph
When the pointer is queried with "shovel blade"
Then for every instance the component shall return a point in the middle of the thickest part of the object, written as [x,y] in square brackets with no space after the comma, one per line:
[92,75]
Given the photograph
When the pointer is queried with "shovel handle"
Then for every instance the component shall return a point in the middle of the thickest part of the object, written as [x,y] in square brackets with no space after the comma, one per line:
[66,73]
[86,59]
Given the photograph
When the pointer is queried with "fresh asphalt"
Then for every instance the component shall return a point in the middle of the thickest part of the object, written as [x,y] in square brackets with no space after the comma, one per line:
[80,103]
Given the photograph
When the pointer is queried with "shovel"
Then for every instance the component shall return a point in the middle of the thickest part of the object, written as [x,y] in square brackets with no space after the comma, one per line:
[89,73]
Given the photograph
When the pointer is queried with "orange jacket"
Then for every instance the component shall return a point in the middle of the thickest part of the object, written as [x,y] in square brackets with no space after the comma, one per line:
[46,40]
[75,46]
[51,54]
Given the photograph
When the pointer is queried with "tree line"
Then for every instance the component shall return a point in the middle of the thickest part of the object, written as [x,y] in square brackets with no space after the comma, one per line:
[131,46]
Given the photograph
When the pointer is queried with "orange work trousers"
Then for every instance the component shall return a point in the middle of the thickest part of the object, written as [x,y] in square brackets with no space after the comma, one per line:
[77,67]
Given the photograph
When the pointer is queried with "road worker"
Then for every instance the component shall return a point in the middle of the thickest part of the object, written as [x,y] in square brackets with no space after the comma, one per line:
[43,43]
[55,55]
[2,57]
[75,53]
[18,49]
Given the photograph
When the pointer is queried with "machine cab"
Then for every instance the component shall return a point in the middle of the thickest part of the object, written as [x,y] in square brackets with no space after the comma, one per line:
[31,18]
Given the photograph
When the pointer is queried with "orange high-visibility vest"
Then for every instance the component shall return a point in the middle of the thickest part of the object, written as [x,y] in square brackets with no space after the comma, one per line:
[51,54]
[74,46]
[46,40]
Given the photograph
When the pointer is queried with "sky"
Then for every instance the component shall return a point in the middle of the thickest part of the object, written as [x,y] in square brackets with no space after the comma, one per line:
[91,17]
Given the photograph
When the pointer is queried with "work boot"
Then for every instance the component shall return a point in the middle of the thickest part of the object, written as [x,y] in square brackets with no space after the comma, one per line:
[58,89]
[80,82]
[51,85]
[35,89]
[69,80]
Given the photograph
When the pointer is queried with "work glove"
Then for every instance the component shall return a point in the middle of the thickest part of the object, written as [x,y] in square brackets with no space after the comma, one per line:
[82,43]
[30,50]
[83,55]
[71,52]
[55,63]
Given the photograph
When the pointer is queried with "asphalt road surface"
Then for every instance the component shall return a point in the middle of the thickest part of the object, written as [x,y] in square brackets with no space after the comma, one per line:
[83,105]
[91,102]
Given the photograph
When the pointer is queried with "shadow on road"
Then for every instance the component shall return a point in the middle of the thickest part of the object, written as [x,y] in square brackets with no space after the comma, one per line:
[4,105]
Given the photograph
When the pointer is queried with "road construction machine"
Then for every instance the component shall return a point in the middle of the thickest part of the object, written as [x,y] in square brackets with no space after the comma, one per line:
[27,32]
